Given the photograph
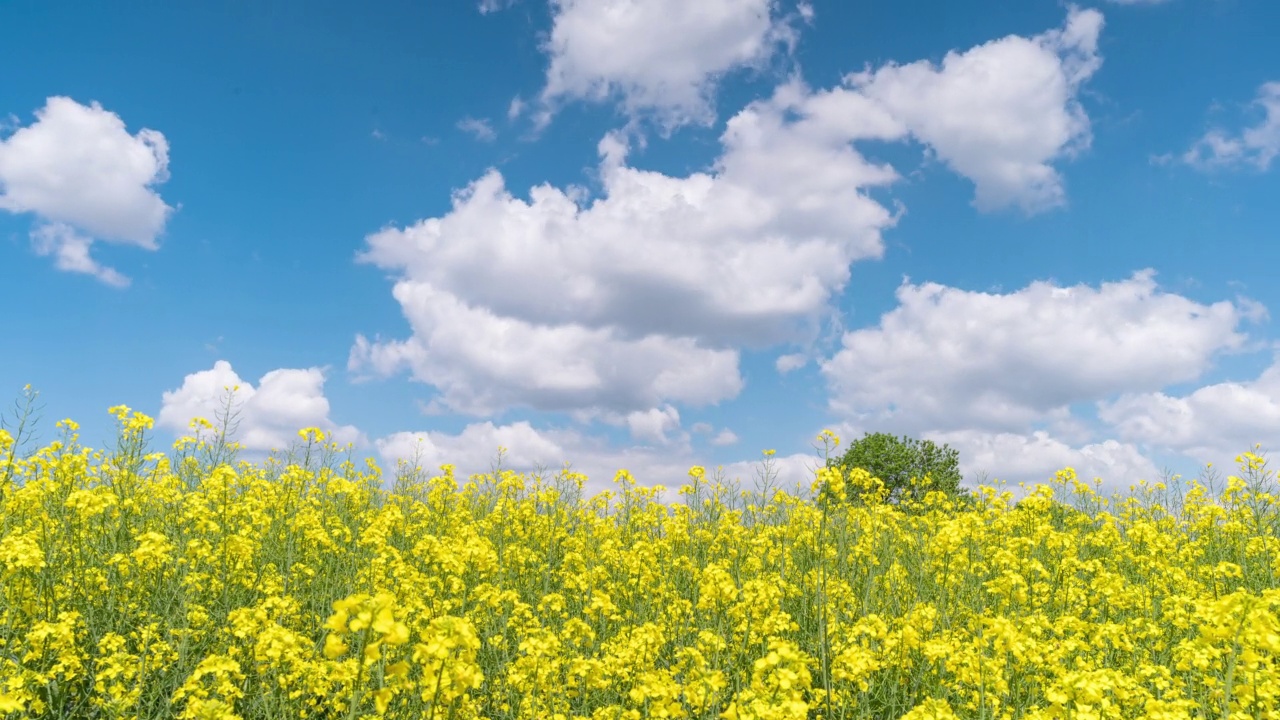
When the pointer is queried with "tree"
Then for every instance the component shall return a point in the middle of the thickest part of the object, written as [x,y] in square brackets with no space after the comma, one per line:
[897,460]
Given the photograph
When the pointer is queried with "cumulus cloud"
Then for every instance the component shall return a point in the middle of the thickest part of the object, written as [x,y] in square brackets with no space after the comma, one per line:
[1211,424]
[603,49]
[270,415]
[950,359]
[1031,455]
[788,363]
[475,451]
[1255,146]
[483,363]
[791,473]
[999,113]
[83,177]
[654,424]
[1034,458]
[644,294]
[724,437]
[529,450]
[720,439]
[634,299]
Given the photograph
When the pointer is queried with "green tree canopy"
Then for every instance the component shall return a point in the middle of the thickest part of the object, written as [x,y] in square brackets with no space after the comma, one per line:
[896,460]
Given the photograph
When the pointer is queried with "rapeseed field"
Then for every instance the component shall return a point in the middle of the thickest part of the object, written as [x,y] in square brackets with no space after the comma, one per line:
[141,584]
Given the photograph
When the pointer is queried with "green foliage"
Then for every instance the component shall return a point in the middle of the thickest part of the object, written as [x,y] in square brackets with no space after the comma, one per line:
[897,460]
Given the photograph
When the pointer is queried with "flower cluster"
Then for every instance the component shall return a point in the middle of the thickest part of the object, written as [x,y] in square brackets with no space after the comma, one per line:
[139,585]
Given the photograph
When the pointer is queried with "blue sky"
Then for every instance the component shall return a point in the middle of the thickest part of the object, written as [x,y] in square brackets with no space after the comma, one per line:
[652,234]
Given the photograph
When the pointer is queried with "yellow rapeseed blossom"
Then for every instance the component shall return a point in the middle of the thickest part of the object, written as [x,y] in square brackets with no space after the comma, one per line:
[136,585]
[312,434]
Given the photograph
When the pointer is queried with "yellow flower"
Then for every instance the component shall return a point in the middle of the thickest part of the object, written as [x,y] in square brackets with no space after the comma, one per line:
[10,703]
[312,434]
[334,647]
[931,709]
[21,551]
[381,699]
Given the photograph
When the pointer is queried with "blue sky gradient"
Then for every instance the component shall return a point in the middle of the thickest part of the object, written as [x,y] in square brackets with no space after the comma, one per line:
[1106,306]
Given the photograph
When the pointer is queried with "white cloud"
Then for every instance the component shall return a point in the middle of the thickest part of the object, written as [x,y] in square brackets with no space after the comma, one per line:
[653,425]
[85,178]
[478,128]
[999,113]
[476,448]
[724,437]
[270,415]
[1031,456]
[565,302]
[1211,424]
[70,251]
[560,302]
[789,363]
[789,473]
[484,363]
[721,439]
[1138,2]
[491,6]
[1036,457]
[475,451]
[1255,146]
[950,359]
[600,49]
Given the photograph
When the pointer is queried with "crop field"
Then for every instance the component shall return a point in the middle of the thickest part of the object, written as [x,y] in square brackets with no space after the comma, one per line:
[140,584]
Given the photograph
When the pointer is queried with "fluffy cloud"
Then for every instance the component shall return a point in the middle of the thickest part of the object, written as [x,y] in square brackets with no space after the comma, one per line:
[475,450]
[637,297]
[720,439]
[1255,146]
[85,178]
[724,437]
[1036,457]
[653,425]
[950,359]
[792,473]
[1211,424]
[789,363]
[484,363]
[999,113]
[634,299]
[1032,456]
[70,251]
[601,49]
[269,416]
